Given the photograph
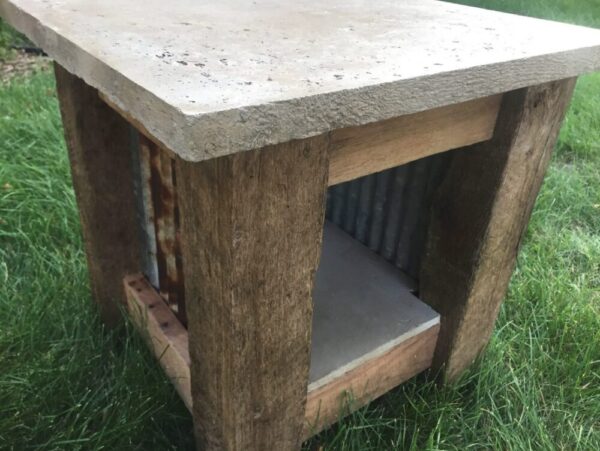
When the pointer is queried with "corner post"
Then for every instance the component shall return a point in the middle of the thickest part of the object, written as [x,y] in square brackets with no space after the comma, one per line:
[479,216]
[98,142]
[251,230]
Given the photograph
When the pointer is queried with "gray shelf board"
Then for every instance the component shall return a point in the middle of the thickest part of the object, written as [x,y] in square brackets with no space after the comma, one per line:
[363,306]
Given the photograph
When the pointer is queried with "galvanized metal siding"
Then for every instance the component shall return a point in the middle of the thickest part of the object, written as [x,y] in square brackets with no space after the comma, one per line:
[388,211]
[158,216]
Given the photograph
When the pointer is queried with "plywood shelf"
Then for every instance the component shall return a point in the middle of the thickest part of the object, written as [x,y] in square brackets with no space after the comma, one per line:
[370,333]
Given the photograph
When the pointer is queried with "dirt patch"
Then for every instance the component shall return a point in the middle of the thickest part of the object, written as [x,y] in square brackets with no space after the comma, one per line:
[22,63]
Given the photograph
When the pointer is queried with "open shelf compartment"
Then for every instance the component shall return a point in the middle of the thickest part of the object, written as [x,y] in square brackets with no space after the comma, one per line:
[370,333]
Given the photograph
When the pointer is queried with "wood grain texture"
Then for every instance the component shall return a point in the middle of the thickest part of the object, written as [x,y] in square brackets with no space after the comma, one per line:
[163,332]
[359,151]
[364,150]
[326,402]
[479,216]
[98,142]
[374,377]
[251,230]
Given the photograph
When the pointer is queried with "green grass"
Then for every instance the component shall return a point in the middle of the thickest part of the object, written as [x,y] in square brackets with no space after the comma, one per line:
[68,384]
[8,38]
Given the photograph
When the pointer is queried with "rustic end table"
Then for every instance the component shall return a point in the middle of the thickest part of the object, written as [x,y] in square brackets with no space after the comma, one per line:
[203,139]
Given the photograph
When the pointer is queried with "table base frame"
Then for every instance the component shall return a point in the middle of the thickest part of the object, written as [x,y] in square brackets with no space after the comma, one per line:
[243,239]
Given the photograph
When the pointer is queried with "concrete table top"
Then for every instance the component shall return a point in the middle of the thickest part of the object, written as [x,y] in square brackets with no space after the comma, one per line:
[212,78]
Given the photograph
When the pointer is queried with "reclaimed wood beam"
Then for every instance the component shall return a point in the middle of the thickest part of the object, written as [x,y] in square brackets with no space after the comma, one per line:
[479,216]
[98,141]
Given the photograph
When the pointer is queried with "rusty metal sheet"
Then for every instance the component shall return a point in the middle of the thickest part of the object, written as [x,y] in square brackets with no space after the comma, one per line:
[145,212]
[162,222]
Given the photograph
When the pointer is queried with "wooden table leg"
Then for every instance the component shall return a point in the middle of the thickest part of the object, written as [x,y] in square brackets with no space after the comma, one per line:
[98,141]
[251,230]
[479,217]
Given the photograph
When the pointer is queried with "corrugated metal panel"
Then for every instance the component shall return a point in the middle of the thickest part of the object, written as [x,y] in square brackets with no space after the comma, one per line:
[388,211]
[147,233]
[155,187]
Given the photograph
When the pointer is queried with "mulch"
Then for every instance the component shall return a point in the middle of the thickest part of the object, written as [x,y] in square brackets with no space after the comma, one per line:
[22,63]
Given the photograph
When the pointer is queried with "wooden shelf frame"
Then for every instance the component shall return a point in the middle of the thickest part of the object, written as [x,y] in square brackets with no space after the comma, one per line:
[370,333]
[367,149]
[478,216]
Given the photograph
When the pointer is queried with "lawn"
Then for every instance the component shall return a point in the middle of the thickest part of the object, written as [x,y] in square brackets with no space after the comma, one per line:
[66,383]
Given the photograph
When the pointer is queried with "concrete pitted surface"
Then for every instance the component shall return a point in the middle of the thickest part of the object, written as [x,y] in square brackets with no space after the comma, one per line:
[210,78]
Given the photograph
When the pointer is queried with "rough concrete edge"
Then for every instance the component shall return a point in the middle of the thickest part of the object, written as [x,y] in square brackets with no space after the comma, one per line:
[84,65]
[203,136]
[256,126]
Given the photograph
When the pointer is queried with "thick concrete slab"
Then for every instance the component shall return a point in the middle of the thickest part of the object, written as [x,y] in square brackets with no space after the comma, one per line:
[212,78]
